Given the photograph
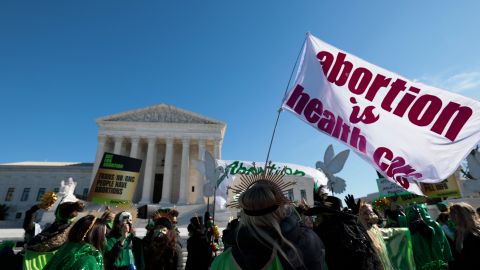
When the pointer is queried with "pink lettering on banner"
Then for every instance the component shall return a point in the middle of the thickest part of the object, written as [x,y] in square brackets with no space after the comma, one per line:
[414,131]
[421,110]
[324,120]
[366,117]
[394,167]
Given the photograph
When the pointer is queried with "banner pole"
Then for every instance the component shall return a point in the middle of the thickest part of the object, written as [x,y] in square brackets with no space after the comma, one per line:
[284,95]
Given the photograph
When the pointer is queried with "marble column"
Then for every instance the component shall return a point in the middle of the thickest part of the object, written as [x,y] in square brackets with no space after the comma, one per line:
[217,151]
[102,140]
[118,145]
[184,173]
[167,172]
[201,177]
[135,146]
[201,149]
[147,189]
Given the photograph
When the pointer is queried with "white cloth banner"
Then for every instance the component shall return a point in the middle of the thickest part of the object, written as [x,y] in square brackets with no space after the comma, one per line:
[409,131]
[236,167]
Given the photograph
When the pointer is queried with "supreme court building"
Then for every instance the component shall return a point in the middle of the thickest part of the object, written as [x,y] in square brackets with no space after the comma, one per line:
[167,139]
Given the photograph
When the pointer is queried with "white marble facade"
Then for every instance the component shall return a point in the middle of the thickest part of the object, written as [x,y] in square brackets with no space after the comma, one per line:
[167,139]
[23,183]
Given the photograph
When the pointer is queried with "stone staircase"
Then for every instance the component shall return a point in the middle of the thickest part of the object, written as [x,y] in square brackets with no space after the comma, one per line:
[183,259]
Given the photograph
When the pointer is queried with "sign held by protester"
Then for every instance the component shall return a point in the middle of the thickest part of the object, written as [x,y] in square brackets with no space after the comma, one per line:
[387,188]
[116,180]
[407,130]
[447,188]
[393,192]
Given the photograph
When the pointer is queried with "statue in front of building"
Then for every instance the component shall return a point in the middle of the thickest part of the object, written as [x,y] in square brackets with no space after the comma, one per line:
[66,192]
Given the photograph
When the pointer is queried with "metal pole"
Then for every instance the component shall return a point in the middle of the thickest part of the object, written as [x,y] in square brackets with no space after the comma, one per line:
[280,109]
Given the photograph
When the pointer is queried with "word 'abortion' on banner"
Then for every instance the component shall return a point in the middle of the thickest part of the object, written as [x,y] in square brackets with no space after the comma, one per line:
[409,131]
[116,180]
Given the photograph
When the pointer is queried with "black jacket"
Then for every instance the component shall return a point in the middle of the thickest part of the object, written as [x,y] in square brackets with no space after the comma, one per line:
[199,252]
[347,244]
[250,253]
[468,258]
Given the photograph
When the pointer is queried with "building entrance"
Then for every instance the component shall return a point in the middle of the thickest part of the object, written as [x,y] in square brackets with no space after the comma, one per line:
[157,188]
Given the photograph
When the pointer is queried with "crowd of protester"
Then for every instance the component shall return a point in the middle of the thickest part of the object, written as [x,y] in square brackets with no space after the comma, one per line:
[269,233]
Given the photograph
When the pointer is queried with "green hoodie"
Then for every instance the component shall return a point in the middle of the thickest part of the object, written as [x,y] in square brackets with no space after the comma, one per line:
[427,250]
[125,257]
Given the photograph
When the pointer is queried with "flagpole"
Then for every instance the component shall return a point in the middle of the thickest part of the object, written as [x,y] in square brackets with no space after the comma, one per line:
[284,94]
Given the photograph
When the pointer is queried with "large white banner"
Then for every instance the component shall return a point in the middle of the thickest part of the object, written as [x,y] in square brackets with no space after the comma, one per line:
[235,167]
[409,131]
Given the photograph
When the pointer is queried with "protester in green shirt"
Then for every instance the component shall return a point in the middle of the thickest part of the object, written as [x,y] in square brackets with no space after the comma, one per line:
[124,251]
[44,245]
[83,250]
[430,245]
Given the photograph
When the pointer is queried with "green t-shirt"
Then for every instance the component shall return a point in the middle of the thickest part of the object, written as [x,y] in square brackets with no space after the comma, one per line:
[34,260]
[125,257]
[76,256]
[225,261]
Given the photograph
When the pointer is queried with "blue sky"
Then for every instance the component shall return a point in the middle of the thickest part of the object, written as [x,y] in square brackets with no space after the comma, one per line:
[65,63]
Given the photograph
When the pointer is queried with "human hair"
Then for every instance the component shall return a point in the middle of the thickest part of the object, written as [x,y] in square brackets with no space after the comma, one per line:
[162,248]
[262,196]
[442,218]
[369,219]
[367,216]
[196,225]
[90,230]
[466,221]
[117,224]
[170,240]
[69,210]
[108,215]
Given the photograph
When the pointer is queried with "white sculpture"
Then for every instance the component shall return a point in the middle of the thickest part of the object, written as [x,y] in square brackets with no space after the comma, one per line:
[66,192]
[214,175]
[331,165]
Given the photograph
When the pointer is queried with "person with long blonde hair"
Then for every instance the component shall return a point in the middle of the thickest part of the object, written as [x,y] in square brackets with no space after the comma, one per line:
[270,236]
[369,220]
[467,239]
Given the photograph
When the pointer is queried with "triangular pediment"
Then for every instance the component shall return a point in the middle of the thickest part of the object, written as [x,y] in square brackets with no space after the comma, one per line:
[161,113]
